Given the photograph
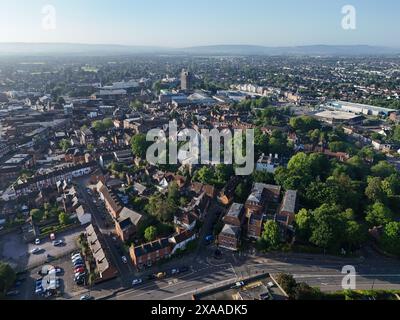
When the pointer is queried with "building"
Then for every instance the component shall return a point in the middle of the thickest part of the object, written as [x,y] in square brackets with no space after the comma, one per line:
[146,255]
[268,164]
[41,182]
[235,215]
[111,201]
[187,80]
[358,108]
[339,117]
[180,241]
[287,211]
[104,267]
[229,238]
[127,224]
[87,137]
[261,201]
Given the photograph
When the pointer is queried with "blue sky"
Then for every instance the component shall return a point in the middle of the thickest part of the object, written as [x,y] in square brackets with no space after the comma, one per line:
[181,23]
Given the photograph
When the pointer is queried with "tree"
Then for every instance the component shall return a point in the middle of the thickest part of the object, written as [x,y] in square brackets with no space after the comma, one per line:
[204,175]
[271,235]
[391,185]
[161,208]
[139,145]
[378,214]
[173,193]
[151,233]
[65,144]
[37,215]
[327,227]
[355,234]
[288,283]
[303,224]
[391,238]
[383,169]
[374,190]
[7,278]
[63,219]
[304,292]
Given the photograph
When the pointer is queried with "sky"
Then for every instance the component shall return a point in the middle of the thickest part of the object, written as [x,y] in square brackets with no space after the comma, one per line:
[185,23]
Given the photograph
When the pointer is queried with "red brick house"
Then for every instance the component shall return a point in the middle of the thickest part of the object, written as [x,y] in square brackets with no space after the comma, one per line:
[147,254]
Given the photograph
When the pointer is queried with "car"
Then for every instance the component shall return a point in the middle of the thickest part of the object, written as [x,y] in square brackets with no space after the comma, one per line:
[80,274]
[80,282]
[78,260]
[161,275]
[56,271]
[137,282]
[86,297]
[80,269]
[124,259]
[37,241]
[58,243]
[78,256]
[183,269]
[35,250]
[238,285]
[73,254]
[174,271]
[12,293]
[270,284]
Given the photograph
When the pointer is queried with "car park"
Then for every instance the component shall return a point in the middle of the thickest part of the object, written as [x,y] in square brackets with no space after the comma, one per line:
[137,282]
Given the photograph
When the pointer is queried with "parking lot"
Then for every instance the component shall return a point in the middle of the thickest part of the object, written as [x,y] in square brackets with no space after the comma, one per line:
[16,252]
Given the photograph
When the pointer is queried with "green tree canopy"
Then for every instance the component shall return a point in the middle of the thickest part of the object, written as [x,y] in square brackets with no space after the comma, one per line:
[271,235]
[151,233]
[7,278]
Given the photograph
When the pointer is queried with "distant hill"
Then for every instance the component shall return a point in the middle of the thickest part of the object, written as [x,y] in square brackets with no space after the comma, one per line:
[104,49]
[299,50]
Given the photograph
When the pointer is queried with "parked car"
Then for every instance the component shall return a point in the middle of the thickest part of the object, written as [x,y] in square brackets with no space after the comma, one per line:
[58,243]
[174,271]
[86,297]
[35,250]
[73,254]
[270,284]
[77,261]
[80,274]
[124,260]
[37,241]
[137,282]
[12,293]
[80,269]
[183,269]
